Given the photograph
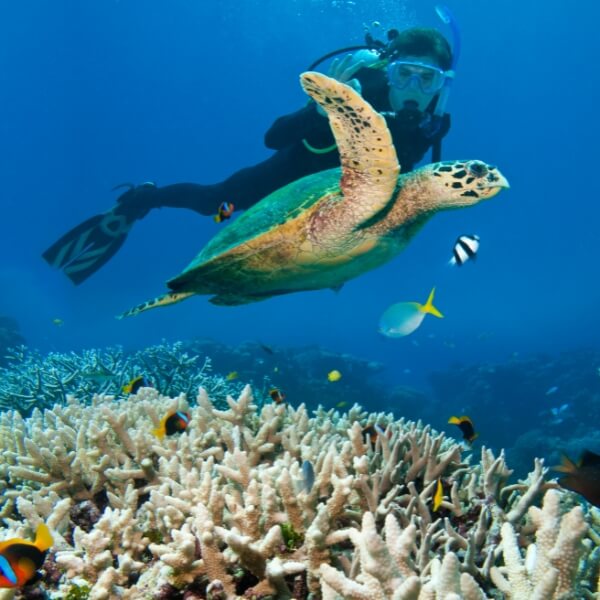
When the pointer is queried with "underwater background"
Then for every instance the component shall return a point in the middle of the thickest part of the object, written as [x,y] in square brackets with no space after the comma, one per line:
[95,94]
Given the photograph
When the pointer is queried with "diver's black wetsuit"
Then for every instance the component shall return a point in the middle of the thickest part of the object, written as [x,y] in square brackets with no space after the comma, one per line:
[292,158]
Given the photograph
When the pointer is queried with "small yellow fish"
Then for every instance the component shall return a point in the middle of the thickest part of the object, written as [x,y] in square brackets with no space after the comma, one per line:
[341,404]
[334,375]
[438,496]
[58,322]
[231,376]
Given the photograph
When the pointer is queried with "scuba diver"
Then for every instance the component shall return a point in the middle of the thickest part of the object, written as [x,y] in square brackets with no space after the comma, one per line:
[407,79]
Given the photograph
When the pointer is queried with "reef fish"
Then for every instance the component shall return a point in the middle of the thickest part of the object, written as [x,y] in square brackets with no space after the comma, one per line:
[224,212]
[231,376]
[334,375]
[465,248]
[308,476]
[466,426]
[438,496]
[98,375]
[373,432]
[172,423]
[277,395]
[405,317]
[266,348]
[136,383]
[20,559]
[582,477]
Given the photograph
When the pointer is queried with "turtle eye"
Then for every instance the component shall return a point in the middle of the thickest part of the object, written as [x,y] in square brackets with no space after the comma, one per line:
[477,168]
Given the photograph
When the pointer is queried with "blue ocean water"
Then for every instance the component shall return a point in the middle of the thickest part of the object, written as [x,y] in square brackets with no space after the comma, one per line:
[98,93]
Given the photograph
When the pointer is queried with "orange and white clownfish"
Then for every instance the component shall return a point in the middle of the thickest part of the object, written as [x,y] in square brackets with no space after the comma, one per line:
[173,422]
[20,559]
[224,212]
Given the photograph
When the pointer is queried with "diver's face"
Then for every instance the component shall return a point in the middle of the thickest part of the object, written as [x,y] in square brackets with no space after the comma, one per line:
[417,85]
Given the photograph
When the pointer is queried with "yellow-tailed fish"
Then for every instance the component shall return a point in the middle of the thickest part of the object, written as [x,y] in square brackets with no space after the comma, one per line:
[231,376]
[405,317]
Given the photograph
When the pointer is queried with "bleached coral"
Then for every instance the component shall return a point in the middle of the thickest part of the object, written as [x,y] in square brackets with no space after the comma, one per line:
[224,505]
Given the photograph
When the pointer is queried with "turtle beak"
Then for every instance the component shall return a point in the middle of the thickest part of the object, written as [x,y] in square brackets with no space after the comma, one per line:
[493,184]
[501,181]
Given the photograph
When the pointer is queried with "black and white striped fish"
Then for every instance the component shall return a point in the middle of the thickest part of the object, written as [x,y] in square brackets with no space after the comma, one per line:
[466,247]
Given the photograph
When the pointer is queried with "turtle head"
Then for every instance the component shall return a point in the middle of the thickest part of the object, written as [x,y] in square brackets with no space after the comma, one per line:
[464,182]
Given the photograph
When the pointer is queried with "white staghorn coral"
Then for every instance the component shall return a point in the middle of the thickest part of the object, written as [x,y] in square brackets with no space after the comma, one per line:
[224,505]
[549,572]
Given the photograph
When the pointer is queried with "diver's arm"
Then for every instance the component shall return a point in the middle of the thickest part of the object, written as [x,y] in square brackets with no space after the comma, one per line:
[305,123]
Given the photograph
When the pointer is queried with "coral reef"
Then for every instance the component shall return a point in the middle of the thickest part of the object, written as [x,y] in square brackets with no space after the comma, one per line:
[223,511]
[32,380]
[10,337]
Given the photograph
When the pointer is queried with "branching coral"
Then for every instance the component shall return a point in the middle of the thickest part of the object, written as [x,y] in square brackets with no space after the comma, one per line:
[210,512]
[32,380]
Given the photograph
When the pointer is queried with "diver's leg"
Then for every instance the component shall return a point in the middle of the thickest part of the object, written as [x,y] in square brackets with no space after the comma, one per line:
[244,188]
[90,245]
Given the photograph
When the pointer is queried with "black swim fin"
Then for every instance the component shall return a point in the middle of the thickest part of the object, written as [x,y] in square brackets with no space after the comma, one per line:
[90,245]
[87,247]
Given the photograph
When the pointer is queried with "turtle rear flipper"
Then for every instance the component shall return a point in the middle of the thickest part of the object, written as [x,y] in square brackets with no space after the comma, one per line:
[370,166]
[164,300]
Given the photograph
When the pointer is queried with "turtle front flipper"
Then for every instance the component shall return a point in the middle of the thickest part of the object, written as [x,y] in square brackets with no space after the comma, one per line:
[164,300]
[370,166]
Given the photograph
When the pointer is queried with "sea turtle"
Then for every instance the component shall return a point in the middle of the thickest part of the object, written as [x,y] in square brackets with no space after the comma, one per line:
[326,228]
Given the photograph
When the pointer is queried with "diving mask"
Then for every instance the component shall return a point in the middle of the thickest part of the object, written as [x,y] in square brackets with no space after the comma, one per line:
[427,78]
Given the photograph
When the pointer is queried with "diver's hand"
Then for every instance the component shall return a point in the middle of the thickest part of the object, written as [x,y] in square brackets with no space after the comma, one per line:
[344,70]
